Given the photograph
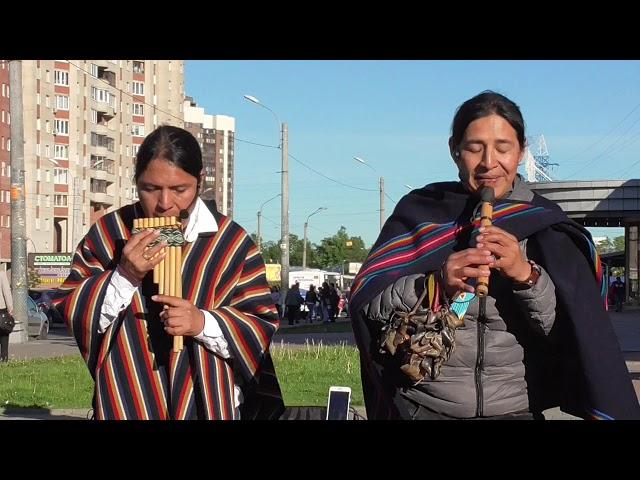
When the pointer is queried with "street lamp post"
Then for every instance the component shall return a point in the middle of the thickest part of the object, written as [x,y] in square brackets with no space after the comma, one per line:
[284,214]
[380,188]
[75,229]
[260,221]
[304,245]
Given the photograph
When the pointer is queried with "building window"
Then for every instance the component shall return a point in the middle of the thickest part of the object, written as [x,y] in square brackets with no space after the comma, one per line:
[94,116]
[138,109]
[8,144]
[47,153]
[134,150]
[62,102]
[137,130]
[59,200]
[138,88]
[138,67]
[61,152]
[60,175]
[100,95]
[61,127]
[94,70]
[60,77]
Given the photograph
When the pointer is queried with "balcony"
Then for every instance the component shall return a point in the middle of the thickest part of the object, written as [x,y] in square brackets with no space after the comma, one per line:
[107,74]
[104,109]
[102,169]
[103,129]
[107,110]
[102,145]
[102,198]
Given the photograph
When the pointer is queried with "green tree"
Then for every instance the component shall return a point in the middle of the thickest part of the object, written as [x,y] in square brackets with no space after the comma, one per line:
[334,251]
[604,246]
[295,250]
[618,244]
[271,252]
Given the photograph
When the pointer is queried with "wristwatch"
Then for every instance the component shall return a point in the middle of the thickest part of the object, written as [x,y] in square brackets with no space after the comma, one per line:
[533,277]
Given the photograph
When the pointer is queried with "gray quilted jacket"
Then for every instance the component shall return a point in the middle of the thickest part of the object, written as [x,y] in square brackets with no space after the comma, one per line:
[485,375]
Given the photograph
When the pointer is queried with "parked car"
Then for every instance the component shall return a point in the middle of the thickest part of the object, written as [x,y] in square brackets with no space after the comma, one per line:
[43,299]
[38,323]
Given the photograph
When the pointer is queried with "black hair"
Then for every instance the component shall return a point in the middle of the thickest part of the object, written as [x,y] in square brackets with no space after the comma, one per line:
[174,144]
[482,105]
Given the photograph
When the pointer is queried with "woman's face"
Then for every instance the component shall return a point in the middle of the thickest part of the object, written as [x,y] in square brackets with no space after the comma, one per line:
[164,189]
[489,155]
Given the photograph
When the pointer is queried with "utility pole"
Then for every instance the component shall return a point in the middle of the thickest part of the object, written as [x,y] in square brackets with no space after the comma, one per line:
[19,287]
[304,246]
[259,230]
[284,272]
[381,202]
[260,221]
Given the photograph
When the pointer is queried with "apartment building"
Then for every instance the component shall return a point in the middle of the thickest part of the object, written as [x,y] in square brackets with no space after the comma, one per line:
[216,135]
[84,121]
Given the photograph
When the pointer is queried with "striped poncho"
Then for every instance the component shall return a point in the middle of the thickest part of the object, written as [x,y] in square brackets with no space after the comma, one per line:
[136,374]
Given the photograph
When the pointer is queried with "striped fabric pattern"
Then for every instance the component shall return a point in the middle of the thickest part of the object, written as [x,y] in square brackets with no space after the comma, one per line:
[137,375]
[424,240]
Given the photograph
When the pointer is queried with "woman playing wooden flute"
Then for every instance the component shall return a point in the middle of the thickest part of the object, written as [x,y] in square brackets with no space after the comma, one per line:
[125,329]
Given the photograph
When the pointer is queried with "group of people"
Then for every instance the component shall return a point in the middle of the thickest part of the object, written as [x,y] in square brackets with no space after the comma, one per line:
[429,348]
[326,303]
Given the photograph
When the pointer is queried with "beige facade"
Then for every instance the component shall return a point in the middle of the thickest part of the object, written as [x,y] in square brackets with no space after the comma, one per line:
[83,123]
[216,135]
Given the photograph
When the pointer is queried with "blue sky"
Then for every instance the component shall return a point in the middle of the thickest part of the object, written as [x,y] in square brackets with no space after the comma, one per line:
[397,116]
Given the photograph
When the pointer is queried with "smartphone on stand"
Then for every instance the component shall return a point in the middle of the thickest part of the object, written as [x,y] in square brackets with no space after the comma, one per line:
[338,404]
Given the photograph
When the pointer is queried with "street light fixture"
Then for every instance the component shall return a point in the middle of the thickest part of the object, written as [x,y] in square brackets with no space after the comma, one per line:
[284,213]
[260,220]
[75,229]
[304,245]
[381,188]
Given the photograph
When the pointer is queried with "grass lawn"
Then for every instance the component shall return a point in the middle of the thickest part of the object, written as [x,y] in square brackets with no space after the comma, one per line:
[305,376]
[62,382]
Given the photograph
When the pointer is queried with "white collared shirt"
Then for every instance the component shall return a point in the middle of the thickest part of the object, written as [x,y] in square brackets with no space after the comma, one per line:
[120,292]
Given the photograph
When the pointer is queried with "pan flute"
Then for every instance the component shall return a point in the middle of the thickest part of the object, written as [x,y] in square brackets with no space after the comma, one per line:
[168,273]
